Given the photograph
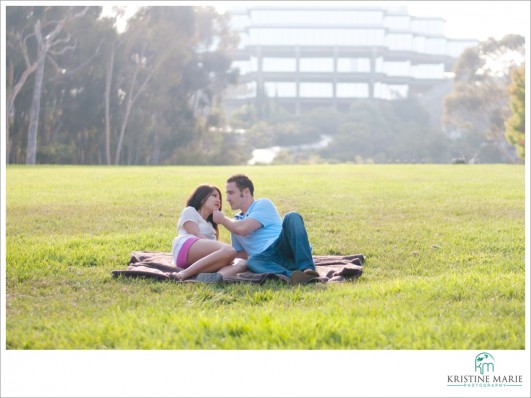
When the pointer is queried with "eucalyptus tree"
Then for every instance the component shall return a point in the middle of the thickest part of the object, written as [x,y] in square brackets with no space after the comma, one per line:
[197,96]
[156,37]
[170,65]
[515,124]
[43,36]
[478,106]
[73,111]
[113,97]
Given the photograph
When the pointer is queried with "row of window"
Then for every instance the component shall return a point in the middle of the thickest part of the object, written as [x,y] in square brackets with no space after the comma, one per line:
[322,90]
[343,65]
[351,37]
[302,17]
[315,65]
[360,18]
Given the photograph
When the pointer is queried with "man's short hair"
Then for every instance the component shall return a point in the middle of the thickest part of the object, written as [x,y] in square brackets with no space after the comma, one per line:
[242,182]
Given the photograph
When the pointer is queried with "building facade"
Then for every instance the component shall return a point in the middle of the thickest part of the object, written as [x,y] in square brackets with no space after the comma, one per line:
[304,56]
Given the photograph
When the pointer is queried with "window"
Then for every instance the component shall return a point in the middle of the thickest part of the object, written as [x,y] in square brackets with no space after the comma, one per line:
[244,40]
[396,68]
[397,41]
[316,65]
[419,44]
[352,90]
[317,17]
[316,90]
[243,66]
[279,65]
[280,89]
[397,22]
[427,71]
[435,45]
[353,65]
[316,37]
[378,65]
[239,21]
[390,91]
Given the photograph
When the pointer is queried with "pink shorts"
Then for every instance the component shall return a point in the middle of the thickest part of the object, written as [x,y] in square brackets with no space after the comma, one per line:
[182,257]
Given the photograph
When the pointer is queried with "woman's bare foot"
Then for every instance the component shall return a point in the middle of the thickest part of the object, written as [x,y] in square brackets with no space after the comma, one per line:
[177,276]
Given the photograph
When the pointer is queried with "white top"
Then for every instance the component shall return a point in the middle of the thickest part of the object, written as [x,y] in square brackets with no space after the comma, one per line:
[191,214]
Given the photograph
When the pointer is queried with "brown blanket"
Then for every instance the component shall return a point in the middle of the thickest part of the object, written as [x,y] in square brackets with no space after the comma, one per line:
[158,265]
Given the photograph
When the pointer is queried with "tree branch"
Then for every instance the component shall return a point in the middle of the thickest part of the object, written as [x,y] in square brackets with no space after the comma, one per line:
[70,72]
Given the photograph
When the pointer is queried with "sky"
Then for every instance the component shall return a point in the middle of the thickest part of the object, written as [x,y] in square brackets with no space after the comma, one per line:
[476,19]
[464,19]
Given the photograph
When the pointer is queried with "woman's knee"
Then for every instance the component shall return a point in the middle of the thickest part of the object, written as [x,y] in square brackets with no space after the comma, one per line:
[240,264]
[228,253]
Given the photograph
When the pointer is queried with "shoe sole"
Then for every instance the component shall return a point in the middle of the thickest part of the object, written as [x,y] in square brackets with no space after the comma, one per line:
[209,277]
[300,277]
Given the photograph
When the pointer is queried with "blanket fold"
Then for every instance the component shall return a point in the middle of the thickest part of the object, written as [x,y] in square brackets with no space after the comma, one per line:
[158,265]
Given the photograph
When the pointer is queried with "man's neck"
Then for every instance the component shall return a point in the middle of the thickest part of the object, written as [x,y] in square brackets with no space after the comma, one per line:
[247,206]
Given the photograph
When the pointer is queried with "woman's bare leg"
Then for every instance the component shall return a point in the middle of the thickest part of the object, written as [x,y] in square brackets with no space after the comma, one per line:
[207,256]
[237,266]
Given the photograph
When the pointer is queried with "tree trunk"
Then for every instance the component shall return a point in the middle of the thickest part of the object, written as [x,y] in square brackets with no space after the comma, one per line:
[31,151]
[155,157]
[128,106]
[108,81]
[43,47]
[132,97]
[12,95]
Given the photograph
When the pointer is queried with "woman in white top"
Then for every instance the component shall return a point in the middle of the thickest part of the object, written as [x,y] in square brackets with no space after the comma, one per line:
[196,248]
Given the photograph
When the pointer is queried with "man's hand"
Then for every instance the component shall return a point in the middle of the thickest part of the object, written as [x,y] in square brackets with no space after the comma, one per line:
[239,227]
[218,217]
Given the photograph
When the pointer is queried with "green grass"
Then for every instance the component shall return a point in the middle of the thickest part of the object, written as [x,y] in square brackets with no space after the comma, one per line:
[445,270]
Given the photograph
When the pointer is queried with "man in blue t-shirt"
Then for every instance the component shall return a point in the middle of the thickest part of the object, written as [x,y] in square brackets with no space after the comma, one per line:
[270,244]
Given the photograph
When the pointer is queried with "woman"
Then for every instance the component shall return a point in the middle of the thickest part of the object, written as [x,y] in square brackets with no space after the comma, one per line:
[196,248]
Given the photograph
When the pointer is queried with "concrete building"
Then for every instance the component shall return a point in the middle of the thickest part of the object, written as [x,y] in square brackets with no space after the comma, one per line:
[305,56]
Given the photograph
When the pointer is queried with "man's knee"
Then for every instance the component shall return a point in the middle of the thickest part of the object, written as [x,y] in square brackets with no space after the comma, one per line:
[292,217]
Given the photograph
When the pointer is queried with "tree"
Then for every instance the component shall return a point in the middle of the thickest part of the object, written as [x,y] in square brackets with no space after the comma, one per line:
[104,96]
[66,111]
[515,124]
[169,66]
[72,107]
[51,39]
[478,106]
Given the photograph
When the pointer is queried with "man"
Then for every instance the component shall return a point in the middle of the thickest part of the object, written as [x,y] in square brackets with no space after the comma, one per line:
[258,234]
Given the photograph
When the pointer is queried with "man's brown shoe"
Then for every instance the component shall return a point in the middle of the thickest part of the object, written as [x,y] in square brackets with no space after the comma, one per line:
[300,277]
[309,271]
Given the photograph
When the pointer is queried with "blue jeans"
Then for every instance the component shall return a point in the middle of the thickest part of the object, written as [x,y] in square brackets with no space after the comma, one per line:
[291,251]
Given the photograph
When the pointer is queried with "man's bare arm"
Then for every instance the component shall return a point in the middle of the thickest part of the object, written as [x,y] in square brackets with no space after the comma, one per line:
[238,227]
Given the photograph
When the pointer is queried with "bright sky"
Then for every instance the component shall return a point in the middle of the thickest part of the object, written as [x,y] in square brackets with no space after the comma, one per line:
[464,19]
[476,19]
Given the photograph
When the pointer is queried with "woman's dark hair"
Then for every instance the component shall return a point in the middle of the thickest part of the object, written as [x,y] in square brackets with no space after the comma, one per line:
[199,197]
[242,182]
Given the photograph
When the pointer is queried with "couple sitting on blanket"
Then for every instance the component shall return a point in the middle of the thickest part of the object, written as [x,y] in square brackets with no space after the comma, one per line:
[261,240]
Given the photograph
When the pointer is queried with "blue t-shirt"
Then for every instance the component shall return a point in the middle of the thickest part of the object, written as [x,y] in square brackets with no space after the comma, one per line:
[265,212]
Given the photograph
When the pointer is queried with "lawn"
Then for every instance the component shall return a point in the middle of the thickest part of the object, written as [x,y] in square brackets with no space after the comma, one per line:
[445,247]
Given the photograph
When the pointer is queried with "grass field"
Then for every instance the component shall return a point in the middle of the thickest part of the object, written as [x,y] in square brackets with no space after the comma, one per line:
[445,247]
